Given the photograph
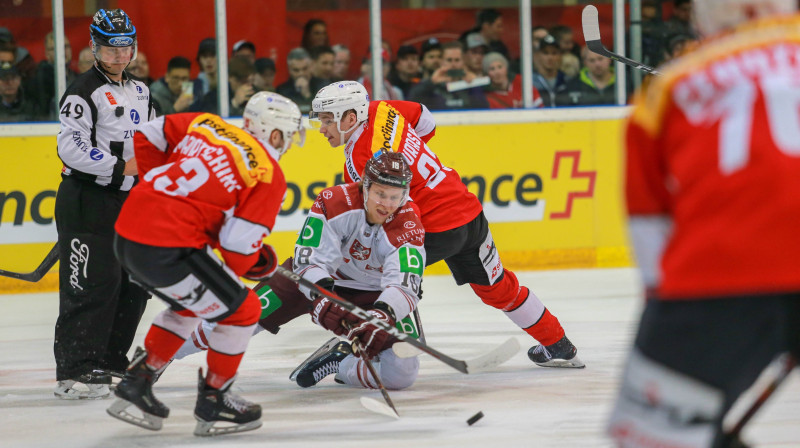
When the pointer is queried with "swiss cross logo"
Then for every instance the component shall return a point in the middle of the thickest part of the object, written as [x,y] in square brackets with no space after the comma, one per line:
[359,252]
[111,99]
[574,174]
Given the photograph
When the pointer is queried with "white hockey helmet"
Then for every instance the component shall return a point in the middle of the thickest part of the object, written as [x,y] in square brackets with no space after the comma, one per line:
[267,111]
[714,16]
[337,98]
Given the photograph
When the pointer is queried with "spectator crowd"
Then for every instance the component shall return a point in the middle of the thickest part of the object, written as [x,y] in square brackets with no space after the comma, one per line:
[475,71]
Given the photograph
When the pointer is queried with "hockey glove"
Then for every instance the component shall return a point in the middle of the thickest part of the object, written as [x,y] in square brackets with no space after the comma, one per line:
[329,316]
[371,339]
[266,265]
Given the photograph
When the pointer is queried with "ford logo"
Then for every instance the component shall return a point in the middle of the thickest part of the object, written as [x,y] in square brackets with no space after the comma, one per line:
[121,41]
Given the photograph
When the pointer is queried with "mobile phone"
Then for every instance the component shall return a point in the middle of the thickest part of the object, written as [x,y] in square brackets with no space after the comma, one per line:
[455,73]
[187,88]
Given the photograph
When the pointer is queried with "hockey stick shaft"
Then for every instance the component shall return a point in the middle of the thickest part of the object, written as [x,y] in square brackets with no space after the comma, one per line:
[36,275]
[789,362]
[457,364]
[591,33]
[357,346]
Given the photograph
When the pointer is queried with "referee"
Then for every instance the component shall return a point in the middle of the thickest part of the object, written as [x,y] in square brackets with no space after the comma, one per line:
[99,306]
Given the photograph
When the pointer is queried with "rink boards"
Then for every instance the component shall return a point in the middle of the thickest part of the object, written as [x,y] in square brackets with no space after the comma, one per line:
[550,182]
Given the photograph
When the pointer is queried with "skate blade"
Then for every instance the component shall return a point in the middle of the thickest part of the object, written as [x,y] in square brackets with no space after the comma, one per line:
[209,429]
[378,407]
[95,392]
[574,363]
[325,347]
[118,409]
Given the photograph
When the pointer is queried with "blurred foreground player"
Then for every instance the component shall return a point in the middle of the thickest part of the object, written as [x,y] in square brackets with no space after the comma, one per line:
[206,185]
[713,190]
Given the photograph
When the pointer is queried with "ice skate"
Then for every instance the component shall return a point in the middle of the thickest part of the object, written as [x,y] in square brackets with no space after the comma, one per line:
[323,362]
[136,389]
[559,354]
[89,386]
[222,405]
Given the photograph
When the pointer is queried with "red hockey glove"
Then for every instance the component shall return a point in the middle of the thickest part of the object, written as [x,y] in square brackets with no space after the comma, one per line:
[329,316]
[266,265]
[371,339]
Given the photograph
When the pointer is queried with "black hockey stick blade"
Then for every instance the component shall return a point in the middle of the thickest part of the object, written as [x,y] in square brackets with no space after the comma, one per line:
[591,33]
[37,274]
[457,364]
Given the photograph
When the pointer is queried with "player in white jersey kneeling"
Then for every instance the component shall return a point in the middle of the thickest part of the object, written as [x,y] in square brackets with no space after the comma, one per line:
[366,242]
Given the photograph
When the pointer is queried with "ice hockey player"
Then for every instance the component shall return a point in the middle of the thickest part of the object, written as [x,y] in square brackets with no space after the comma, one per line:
[456,229]
[206,185]
[713,191]
[366,242]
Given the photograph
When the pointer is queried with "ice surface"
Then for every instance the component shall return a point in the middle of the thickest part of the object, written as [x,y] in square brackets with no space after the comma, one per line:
[524,405]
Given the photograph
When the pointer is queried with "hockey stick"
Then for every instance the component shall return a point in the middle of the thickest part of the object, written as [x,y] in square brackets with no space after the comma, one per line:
[39,272]
[591,33]
[458,364]
[376,407]
[788,363]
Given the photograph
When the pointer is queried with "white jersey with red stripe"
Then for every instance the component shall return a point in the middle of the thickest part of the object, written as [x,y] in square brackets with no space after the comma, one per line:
[337,241]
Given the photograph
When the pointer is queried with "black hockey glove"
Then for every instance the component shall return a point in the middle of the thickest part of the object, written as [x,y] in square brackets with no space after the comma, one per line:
[266,265]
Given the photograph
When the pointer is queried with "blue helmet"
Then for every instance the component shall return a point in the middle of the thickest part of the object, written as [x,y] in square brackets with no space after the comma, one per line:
[112,28]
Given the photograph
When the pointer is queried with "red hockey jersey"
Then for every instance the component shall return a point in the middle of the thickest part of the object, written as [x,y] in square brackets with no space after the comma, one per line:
[202,182]
[444,201]
[715,146]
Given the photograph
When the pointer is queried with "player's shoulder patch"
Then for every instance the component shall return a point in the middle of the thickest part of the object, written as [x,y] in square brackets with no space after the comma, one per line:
[339,199]
[405,226]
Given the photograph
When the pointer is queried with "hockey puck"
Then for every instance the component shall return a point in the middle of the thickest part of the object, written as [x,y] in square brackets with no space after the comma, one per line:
[475,418]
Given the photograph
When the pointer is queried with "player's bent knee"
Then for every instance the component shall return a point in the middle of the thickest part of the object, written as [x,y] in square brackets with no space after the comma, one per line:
[247,314]
[398,373]
[658,406]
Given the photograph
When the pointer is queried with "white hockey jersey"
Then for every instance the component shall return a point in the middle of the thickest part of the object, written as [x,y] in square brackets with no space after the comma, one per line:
[337,241]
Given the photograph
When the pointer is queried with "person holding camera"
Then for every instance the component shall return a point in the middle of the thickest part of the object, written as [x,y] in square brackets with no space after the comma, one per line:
[441,92]
[240,87]
[173,92]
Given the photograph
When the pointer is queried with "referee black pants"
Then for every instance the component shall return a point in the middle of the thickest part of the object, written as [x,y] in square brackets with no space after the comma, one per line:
[99,308]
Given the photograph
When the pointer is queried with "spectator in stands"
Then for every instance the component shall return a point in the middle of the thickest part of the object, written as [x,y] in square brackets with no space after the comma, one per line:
[85,60]
[341,62]
[548,78]
[298,87]
[565,39]
[264,79]
[240,89]
[653,45]
[8,53]
[23,61]
[245,49]
[322,58]
[489,23]
[678,45]
[434,92]
[680,21]
[405,73]
[315,33]
[390,92]
[570,65]
[537,34]
[13,105]
[207,60]
[503,93]
[594,85]
[41,89]
[431,57]
[140,68]
[173,93]
[476,48]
